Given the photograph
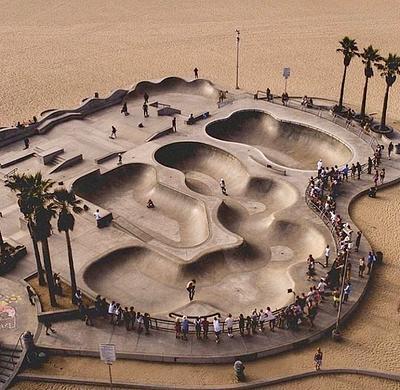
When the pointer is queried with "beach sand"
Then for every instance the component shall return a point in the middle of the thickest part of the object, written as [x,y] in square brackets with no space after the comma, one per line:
[370,337]
[53,54]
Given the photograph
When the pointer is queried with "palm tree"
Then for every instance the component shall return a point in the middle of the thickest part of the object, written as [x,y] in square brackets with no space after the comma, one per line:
[34,200]
[349,50]
[370,57]
[43,230]
[2,246]
[66,204]
[389,69]
[24,185]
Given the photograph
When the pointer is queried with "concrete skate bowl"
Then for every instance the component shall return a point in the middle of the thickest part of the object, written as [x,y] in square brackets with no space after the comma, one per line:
[284,143]
[177,220]
[175,85]
[204,165]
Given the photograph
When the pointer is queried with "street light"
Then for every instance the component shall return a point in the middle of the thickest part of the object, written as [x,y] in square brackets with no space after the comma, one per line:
[336,334]
[237,57]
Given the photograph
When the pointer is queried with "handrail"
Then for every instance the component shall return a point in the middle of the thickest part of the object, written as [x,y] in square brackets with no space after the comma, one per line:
[350,125]
[19,341]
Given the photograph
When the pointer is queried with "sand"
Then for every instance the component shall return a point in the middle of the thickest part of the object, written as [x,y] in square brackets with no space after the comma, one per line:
[369,338]
[53,54]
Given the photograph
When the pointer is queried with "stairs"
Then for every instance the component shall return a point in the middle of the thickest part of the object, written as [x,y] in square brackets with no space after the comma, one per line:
[10,362]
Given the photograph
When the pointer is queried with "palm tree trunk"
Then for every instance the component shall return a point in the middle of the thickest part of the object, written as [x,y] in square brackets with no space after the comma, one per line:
[342,88]
[384,109]
[71,264]
[39,267]
[364,99]
[49,272]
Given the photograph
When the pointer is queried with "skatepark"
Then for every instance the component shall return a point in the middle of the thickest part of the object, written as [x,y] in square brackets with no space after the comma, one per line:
[246,248]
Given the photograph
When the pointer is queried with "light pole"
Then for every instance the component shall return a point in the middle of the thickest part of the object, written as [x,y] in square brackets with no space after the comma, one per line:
[336,335]
[237,57]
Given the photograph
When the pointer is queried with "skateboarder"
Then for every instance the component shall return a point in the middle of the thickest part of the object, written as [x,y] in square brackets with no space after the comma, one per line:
[146,97]
[124,109]
[196,73]
[174,124]
[113,134]
[145,110]
[190,287]
[223,186]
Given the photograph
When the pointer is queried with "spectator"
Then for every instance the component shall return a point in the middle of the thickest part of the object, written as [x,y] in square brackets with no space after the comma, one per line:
[217,329]
[229,325]
[185,328]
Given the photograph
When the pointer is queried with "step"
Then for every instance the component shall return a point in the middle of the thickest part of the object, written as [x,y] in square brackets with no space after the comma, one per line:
[5,366]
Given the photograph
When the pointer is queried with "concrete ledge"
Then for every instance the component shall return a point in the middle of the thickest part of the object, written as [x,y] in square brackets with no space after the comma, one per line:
[159,134]
[246,385]
[108,156]
[68,162]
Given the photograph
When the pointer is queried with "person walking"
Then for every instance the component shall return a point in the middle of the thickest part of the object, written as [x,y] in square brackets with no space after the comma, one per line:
[119,159]
[217,329]
[346,292]
[174,124]
[146,97]
[113,134]
[31,295]
[369,165]
[124,109]
[223,186]
[26,143]
[327,254]
[390,149]
[145,110]
[191,287]
[229,325]
[318,359]
[196,73]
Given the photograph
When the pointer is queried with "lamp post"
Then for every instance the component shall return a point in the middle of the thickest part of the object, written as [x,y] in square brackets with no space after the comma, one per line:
[237,57]
[336,335]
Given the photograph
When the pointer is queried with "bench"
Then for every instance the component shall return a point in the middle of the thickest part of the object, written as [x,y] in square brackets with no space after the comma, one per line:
[195,118]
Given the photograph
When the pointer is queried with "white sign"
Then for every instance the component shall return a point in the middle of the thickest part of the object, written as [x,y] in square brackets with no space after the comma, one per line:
[286,73]
[107,353]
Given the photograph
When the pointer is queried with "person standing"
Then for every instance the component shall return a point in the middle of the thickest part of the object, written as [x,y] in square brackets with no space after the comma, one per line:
[358,241]
[241,324]
[191,287]
[197,326]
[196,73]
[361,267]
[178,328]
[48,325]
[205,324]
[369,165]
[318,359]
[26,143]
[126,315]
[119,159]
[359,169]
[223,186]
[146,97]
[113,134]
[217,329]
[346,292]
[229,325]
[145,110]
[146,323]
[97,216]
[390,149]
[31,295]
[271,318]
[185,328]
[382,175]
[327,254]
[174,124]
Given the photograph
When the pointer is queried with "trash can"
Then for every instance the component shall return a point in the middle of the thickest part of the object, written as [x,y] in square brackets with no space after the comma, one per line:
[397,148]
[379,258]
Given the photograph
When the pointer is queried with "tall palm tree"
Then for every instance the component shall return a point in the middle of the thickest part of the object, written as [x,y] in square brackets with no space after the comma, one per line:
[24,186]
[2,246]
[348,47]
[370,57]
[389,69]
[43,230]
[34,199]
[67,204]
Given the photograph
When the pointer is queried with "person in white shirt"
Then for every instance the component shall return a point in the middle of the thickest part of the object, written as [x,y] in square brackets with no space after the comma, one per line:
[321,288]
[97,217]
[229,325]
[217,329]
[263,318]
[270,318]
[327,254]
[319,165]
[111,311]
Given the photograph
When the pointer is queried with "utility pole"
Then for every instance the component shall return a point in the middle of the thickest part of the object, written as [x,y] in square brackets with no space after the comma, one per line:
[237,57]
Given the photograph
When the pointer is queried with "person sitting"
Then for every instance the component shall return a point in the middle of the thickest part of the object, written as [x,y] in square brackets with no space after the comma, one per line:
[150,204]
[304,102]
[191,119]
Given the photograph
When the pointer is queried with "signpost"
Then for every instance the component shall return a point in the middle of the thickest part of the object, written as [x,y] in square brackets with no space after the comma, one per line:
[108,355]
[286,74]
